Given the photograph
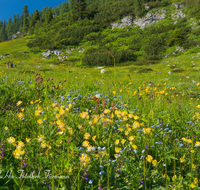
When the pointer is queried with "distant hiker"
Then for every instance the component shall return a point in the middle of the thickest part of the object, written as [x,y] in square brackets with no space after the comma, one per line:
[7,64]
[11,65]
[15,66]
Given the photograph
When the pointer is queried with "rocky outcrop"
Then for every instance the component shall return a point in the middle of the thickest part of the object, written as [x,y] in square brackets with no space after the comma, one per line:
[126,21]
[178,15]
[178,6]
[179,49]
[150,18]
[14,36]
[48,53]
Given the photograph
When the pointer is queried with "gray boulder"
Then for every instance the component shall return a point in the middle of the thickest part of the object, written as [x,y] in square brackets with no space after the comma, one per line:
[47,54]
[179,49]
[126,21]
[178,6]
[57,52]
[65,57]
[68,51]
[150,18]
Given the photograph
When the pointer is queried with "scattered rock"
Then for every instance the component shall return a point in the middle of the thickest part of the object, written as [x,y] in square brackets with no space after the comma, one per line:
[179,49]
[38,66]
[72,49]
[167,56]
[99,67]
[158,73]
[178,6]
[65,57]
[165,62]
[126,21]
[68,51]
[57,52]
[47,54]
[103,70]
[59,57]
[51,65]
[80,51]
[150,18]
[178,15]
[25,51]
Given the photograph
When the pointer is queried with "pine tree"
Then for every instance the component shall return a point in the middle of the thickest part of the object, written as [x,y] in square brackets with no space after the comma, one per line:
[9,27]
[34,20]
[71,4]
[4,35]
[83,6]
[64,8]
[25,19]
[48,16]
[16,23]
[137,7]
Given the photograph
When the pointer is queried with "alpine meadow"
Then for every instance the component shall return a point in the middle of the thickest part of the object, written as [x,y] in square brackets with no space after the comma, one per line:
[101,95]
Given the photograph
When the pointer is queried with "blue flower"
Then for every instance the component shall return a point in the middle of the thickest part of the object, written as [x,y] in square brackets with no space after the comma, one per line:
[101,172]
[90,182]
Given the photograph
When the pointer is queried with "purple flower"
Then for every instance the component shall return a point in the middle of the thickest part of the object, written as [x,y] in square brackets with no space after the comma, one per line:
[58,128]
[119,171]
[25,164]
[86,179]
[48,187]
[2,152]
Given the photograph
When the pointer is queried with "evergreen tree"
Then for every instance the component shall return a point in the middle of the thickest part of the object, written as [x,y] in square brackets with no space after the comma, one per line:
[71,4]
[21,22]
[34,20]
[43,14]
[137,7]
[79,10]
[64,8]
[4,36]
[25,18]
[15,23]
[9,27]
[48,16]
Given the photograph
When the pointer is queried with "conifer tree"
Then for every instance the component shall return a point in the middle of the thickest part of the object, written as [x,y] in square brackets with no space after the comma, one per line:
[34,20]
[137,7]
[79,10]
[4,36]
[64,8]
[48,16]
[15,23]
[25,18]
[71,4]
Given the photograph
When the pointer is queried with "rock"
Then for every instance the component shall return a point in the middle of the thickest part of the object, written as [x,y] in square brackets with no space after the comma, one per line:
[83,67]
[150,18]
[176,69]
[178,6]
[25,51]
[99,67]
[38,66]
[103,70]
[59,57]
[65,57]
[28,34]
[165,62]
[57,52]
[174,59]
[51,65]
[68,51]
[179,49]
[167,56]
[80,51]
[72,49]
[158,73]
[147,7]
[178,15]
[169,72]
[47,54]
[126,21]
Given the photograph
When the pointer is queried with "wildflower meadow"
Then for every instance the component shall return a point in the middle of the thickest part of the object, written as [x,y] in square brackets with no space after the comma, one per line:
[103,131]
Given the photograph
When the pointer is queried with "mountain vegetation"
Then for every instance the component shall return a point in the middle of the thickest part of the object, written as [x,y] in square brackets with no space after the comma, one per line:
[89,21]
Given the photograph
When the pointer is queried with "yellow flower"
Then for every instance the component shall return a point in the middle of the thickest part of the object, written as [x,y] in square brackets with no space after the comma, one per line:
[147,131]
[117,142]
[131,138]
[136,125]
[6,128]
[62,112]
[198,106]
[28,140]
[40,121]
[11,140]
[22,109]
[85,143]
[18,152]
[130,115]
[41,138]
[70,106]
[37,113]
[196,181]
[114,92]
[197,143]
[94,137]
[198,84]
[136,117]
[174,178]
[43,144]
[149,158]
[192,151]
[192,185]
[19,102]
[87,136]
[117,150]
[84,115]
[20,115]
[155,163]
[31,102]
[182,159]
[134,146]
[20,144]
[107,111]
[193,166]
[123,141]
[84,159]
[54,104]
